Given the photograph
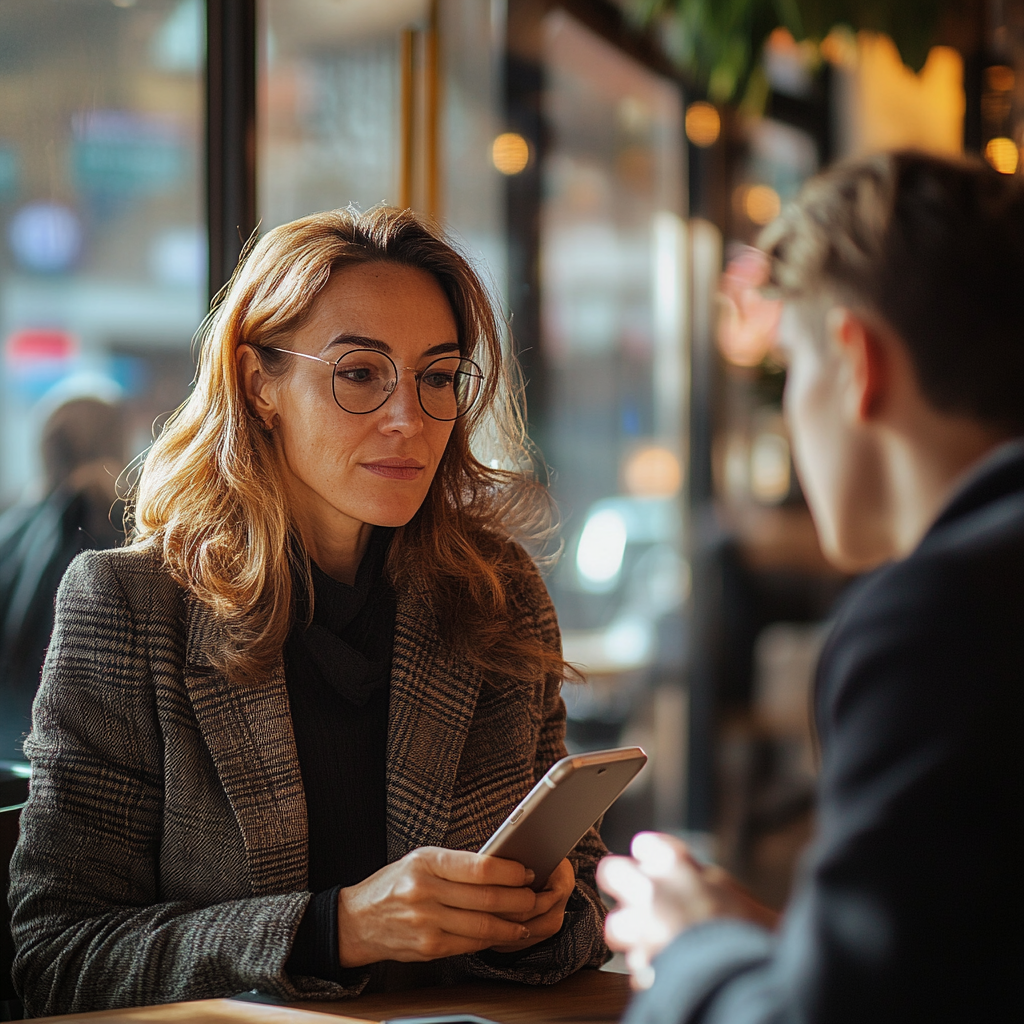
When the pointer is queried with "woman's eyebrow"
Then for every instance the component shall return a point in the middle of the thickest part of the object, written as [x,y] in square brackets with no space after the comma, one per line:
[359,341]
[438,350]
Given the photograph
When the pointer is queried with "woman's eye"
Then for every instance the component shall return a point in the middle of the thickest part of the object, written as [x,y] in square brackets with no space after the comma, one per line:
[438,379]
[355,374]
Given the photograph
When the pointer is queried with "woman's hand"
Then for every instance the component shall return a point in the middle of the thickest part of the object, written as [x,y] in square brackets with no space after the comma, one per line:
[661,891]
[434,903]
[546,917]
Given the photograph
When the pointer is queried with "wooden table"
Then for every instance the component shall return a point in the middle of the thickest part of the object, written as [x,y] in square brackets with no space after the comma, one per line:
[589,997]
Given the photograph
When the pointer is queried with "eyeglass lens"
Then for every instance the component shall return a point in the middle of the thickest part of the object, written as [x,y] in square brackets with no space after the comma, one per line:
[364,379]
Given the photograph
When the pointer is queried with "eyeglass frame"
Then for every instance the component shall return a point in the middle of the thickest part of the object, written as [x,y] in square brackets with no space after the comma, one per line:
[417,376]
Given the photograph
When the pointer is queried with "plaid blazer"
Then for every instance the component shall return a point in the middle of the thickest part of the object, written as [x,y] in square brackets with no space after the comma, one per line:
[163,851]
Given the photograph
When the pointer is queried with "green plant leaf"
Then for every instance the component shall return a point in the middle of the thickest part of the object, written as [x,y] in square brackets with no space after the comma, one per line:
[718,43]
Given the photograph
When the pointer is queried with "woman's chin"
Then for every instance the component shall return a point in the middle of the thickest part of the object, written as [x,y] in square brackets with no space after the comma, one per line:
[392,515]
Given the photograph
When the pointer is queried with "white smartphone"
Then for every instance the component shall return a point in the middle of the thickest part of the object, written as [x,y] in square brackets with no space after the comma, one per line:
[555,815]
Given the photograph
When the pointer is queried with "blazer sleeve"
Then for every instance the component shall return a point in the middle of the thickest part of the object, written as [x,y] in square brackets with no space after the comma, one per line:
[908,908]
[90,928]
[580,943]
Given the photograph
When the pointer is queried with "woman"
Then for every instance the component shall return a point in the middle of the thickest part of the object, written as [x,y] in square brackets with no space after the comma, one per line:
[272,729]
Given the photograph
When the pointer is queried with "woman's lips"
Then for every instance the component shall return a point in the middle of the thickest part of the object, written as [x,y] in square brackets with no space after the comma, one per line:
[395,469]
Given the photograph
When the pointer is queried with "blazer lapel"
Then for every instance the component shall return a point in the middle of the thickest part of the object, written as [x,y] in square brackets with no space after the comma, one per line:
[248,730]
[433,699]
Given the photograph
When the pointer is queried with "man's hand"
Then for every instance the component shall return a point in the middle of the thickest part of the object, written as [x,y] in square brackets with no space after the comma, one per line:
[661,891]
[546,917]
[434,903]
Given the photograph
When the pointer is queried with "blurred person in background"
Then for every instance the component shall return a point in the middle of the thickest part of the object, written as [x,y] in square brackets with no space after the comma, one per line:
[83,450]
[901,277]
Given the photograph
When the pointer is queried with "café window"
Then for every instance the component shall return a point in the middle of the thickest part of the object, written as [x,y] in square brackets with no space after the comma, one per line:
[142,141]
[613,340]
[103,242]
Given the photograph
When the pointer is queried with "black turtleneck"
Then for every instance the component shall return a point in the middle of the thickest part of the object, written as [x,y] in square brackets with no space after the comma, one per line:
[338,670]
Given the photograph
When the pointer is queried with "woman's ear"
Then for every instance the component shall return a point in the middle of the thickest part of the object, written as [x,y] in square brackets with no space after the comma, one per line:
[258,387]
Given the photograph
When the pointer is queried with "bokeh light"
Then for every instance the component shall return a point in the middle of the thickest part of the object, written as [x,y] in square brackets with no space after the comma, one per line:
[703,124]
[601,549]
[769,468]
[761,203]
[839,47]
[510,153]
[652,472]
[1000,78]
[1002,154]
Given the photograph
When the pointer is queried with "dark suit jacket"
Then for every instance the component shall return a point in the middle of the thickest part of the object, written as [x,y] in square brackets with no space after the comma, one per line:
[910,903]
[164,854]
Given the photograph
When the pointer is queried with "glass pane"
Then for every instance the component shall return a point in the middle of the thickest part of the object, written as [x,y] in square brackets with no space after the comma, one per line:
[330,112]
[102,268]
[473,194]
[613,262]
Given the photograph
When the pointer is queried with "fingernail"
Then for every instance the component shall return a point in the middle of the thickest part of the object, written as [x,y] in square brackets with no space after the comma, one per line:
[530,876]
[524,932]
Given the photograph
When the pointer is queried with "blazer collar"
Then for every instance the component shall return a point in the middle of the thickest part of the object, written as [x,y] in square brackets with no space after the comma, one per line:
[998,475]
[248,731]
[433,699]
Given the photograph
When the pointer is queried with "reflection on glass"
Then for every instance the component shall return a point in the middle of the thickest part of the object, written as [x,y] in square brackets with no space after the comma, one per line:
[102,247]
[329,102]
[613,278]
[475,151]
[613,286]
[102,259]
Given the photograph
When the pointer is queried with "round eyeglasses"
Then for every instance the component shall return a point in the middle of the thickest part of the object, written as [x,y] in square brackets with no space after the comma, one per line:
[363,379]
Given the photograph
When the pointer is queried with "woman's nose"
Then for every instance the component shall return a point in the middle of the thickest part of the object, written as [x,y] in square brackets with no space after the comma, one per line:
[402,411]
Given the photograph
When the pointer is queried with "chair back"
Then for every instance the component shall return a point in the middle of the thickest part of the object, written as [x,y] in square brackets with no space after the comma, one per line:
[9,820]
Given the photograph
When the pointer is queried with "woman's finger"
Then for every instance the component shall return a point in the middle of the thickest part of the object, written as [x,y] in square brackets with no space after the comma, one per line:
[491,899]
[548,900]
[545,925]
[484,929]
[542,927]
[562,879]
[474,868]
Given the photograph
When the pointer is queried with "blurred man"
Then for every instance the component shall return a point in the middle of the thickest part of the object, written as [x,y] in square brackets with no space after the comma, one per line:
[82,448]
[902,278]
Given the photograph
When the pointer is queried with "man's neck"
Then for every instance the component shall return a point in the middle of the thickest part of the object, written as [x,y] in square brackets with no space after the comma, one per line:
[925,467]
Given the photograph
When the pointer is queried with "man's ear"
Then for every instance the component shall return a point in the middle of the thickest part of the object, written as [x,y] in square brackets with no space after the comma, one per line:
[864,352]
[257,386]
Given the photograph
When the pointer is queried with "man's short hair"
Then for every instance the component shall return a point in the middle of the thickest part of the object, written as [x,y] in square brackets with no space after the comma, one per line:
[936,248]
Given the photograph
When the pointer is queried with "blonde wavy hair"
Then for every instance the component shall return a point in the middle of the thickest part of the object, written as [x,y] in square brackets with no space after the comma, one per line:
[209,495]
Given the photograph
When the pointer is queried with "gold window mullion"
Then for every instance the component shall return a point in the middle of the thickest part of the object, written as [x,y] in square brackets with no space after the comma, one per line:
[418,134]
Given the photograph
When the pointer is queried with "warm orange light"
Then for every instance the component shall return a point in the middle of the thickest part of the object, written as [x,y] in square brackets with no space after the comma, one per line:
[762,204]
[510,153]
[900,110]
[839,47]
[999,78]
[1002,154]
[703,124]
[652,472]
[781,40]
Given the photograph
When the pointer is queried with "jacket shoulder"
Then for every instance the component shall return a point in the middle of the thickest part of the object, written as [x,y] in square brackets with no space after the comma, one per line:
[940,627]
[133,579]
[118,562]
[968,569]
